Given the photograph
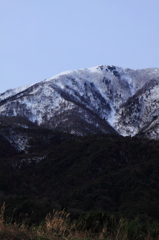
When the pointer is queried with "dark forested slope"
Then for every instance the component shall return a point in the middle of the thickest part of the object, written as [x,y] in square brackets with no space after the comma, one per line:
[92,173]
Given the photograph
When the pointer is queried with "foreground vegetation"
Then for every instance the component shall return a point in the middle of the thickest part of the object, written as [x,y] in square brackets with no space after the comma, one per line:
[59,225]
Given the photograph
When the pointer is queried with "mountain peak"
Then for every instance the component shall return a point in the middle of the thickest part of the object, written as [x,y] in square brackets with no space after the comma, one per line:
[104,98]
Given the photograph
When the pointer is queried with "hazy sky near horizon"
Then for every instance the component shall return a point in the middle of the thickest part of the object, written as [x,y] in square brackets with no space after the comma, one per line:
[40,39]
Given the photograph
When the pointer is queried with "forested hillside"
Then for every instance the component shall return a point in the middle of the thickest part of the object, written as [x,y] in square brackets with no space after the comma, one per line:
[93,173]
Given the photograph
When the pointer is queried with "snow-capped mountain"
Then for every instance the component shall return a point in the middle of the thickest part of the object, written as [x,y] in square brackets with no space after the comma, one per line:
[105,99]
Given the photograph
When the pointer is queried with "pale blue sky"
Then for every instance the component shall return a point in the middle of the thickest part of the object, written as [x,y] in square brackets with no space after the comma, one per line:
[41,38]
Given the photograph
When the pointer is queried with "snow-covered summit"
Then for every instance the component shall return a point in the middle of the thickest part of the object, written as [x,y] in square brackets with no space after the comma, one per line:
[102,98]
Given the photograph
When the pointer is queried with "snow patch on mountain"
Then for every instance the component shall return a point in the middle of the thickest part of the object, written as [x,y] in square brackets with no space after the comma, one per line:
[18,140]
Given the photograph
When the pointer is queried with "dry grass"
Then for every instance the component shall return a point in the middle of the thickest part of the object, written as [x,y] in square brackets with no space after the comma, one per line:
[58,223]
[14,231]
[58,226]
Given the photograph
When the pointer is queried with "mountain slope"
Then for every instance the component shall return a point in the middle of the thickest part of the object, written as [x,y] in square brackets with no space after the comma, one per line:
[99,172]
[105,99]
